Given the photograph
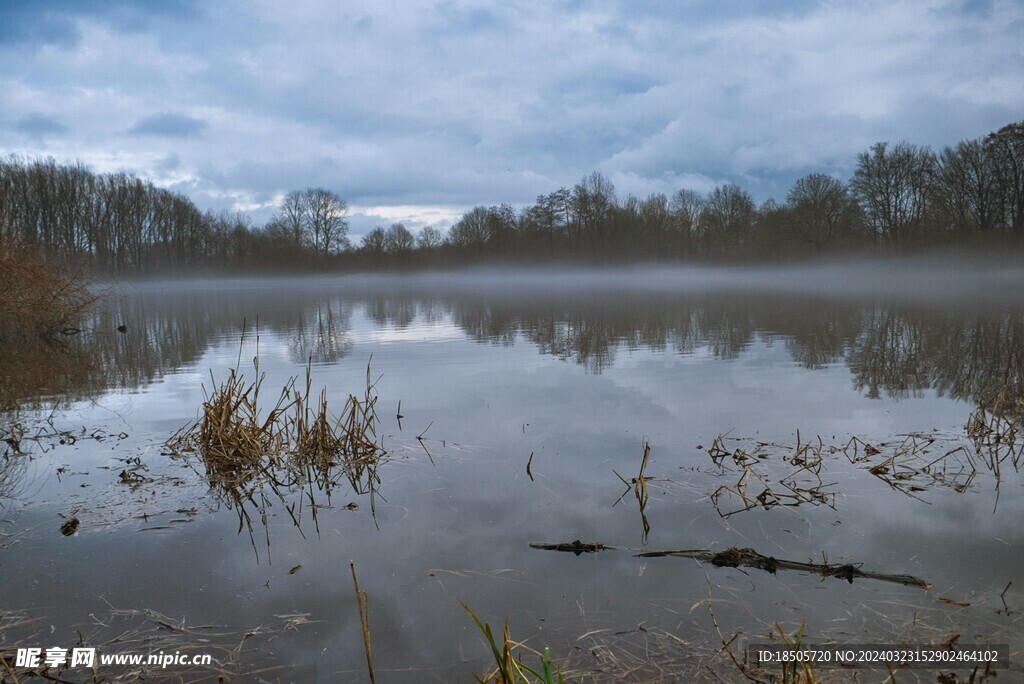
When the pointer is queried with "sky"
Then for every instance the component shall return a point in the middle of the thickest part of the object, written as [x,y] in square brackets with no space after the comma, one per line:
[416,111]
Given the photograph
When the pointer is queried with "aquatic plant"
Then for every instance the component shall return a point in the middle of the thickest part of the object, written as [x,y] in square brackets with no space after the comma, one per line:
[796,672]
[508,668]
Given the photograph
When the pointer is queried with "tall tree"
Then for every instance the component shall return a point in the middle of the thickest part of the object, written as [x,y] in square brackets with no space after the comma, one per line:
[292,216]
[728,217]
[501,228]
[429,238]
[327,223]
[1006,150]
[398,239]
[966,188]
[593,201]
[375,242]
[822,209]
[685,209]
[892,188]
[471,231]
[549,217]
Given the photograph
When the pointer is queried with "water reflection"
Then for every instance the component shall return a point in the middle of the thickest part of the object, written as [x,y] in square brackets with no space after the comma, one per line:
[324,337]
[891,351]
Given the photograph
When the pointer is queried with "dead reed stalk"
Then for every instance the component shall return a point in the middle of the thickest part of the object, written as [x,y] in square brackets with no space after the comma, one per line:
[910,464]
[363,603]
[996,428]
[639,486]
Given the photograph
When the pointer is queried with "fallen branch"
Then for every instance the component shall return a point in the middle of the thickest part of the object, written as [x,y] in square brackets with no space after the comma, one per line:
[749,558]
[746,558]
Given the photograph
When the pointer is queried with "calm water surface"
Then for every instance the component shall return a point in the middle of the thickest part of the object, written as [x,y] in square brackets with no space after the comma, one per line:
[489,374]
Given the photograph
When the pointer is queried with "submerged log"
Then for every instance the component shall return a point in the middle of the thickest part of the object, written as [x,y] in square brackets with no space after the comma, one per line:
[576,547]
[749,558]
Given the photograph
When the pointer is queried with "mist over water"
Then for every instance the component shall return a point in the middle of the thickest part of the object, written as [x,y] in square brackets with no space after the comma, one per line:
[927,279]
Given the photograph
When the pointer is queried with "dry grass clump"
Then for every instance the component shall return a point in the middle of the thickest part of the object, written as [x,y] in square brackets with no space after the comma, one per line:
[252,458]
[234,437]
[321,439]
[800,484]
[639,486]
[230,435]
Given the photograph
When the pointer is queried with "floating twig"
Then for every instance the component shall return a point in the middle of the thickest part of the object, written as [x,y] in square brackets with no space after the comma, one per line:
[575,546]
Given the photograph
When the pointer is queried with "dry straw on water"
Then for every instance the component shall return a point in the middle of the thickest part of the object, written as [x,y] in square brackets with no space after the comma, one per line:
[298,443]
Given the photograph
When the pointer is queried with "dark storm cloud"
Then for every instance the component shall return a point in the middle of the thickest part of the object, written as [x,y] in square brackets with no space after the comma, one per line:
[39,126]
[28,22]
[168,125]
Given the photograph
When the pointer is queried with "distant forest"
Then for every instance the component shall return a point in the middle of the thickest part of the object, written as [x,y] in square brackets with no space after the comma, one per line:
[900,197]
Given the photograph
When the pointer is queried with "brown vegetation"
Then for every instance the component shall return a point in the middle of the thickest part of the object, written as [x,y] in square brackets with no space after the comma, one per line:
[41,304]
[39,299]
[251,458]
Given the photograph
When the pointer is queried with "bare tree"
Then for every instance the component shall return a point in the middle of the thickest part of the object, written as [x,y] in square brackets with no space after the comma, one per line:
[398,239]
[470,231]
[892,188]
[821,209]
[292,216]
[278,233]
[375,242]
[327,221]
[728,217]
[966,187]
[429,238]
[1005,148]
[548,218]
[593,201]
[655,223]
[685,209]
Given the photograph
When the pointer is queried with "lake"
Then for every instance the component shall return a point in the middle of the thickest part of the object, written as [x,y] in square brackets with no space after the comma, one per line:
[819,418]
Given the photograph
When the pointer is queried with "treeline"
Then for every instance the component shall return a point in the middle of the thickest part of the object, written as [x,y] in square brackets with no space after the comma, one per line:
[118,223]
[899,196]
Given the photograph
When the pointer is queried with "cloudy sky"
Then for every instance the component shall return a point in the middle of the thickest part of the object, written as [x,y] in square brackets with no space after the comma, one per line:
[417,110]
